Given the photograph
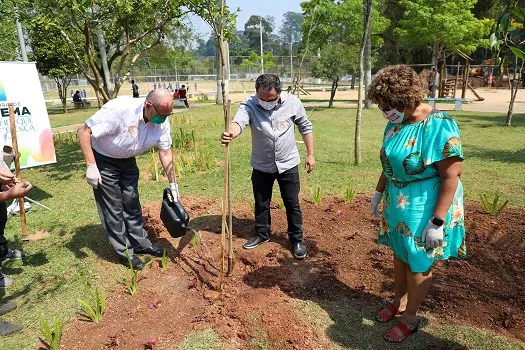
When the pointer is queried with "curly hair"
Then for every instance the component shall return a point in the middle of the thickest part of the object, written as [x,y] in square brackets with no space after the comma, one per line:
[397,86]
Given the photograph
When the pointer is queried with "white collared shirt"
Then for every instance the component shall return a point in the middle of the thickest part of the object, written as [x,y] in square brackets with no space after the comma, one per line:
[119,131]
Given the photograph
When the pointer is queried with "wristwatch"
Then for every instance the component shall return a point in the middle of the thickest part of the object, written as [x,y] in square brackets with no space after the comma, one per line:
[437,221]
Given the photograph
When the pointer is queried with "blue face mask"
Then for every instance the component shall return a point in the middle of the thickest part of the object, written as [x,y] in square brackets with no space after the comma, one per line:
[158,119]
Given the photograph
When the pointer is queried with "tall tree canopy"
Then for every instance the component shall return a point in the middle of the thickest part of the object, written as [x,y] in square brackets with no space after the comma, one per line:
[113,34]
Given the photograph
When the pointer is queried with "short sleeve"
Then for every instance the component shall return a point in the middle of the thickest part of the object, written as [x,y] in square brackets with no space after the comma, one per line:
[301,119]
[442,139]
[165,137]
[242,117]
[106,121]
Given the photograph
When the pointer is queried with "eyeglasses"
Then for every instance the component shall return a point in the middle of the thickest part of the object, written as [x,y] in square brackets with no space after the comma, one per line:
[157,111]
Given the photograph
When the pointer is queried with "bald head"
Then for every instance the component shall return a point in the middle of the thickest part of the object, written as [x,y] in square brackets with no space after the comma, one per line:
[162,100]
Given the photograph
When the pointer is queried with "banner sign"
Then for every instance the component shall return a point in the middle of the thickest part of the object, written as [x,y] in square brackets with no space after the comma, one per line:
[20,87]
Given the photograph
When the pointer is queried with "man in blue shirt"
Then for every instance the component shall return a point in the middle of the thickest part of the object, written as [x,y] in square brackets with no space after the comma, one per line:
[272,116]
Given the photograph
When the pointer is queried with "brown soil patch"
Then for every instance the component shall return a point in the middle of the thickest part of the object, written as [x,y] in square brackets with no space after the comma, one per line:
[344,263]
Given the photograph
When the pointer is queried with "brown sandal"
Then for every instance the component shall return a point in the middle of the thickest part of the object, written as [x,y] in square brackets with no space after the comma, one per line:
[388,313]
[392,335]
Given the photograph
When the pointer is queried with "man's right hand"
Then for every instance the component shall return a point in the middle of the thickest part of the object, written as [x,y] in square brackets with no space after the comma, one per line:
[20,189]
[93,175]
[226,137]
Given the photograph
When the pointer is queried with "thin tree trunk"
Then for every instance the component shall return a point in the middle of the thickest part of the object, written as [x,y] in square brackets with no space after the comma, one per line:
[333,90]
[104,59]
[514,91]
[367,4]
[368,61]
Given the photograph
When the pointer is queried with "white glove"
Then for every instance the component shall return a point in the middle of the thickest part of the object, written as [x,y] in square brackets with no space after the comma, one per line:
[93,175]
[433,235]
[374,203]
[174,187]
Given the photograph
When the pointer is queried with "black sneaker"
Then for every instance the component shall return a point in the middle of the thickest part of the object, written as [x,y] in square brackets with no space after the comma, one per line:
[299,250]
[254,242]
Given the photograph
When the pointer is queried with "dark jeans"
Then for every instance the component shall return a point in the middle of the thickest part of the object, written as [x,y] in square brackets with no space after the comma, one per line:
[262,192]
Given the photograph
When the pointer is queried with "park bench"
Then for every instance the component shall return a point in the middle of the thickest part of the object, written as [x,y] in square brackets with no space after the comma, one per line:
[84,104]
[455,100]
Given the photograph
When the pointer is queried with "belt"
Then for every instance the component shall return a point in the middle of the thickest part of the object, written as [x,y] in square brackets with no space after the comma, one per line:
[402,184]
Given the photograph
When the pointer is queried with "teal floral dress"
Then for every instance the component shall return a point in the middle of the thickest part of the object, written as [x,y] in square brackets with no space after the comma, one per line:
[408,157]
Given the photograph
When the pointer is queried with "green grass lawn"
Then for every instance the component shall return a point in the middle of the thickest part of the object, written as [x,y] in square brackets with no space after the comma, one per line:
[50,279]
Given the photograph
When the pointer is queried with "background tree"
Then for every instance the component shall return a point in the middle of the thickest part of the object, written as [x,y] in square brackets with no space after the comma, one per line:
[254,61]
[53,59]
[334,22]
[508,43]
[113,35]
[335,61]
[9,47]
[252,31]
[440,24]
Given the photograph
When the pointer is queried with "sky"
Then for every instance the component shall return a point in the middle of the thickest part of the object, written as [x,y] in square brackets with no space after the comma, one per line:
[274,8]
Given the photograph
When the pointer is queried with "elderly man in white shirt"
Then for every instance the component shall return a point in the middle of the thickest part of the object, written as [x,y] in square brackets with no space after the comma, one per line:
[122,129]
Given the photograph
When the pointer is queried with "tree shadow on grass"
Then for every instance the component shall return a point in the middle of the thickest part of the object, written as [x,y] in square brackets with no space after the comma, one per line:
[346,313]
[487,121]
[506,156]
[94,238]
[69,160]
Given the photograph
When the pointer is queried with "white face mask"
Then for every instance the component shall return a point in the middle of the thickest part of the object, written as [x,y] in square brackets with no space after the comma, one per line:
[394,116]
[268,105]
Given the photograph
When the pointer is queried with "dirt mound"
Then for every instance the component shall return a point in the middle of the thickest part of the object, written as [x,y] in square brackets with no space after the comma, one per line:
[344,263]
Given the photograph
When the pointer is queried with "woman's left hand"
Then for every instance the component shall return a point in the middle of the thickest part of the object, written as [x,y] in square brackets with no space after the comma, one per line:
[433,235]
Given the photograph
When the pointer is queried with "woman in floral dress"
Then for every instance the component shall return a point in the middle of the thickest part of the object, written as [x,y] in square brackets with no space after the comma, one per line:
[420,188]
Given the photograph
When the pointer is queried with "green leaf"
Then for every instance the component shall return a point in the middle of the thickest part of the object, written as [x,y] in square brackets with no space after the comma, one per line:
[493,40]
[505,22]
[518,53]
[519,12]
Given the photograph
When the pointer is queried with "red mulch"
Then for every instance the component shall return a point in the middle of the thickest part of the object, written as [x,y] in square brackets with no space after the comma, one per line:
[487,290]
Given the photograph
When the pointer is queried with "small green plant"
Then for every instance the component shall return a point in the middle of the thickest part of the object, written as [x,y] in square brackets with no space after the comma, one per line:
[316,196]
[196,240]
[94,306]
[184,140]
[51,337]
[491,206]
[349,194]
[132,286]
[164,261]
[203,97]
[204,159]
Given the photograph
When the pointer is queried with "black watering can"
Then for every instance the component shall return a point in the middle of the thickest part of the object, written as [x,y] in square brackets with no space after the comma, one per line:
[173,215]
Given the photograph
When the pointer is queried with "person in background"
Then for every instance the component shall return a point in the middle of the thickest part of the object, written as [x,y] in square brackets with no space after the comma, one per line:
[122,129]
[420,188]
[183,96]
[77,97]
[176,95]
[134,89]
[272,116]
